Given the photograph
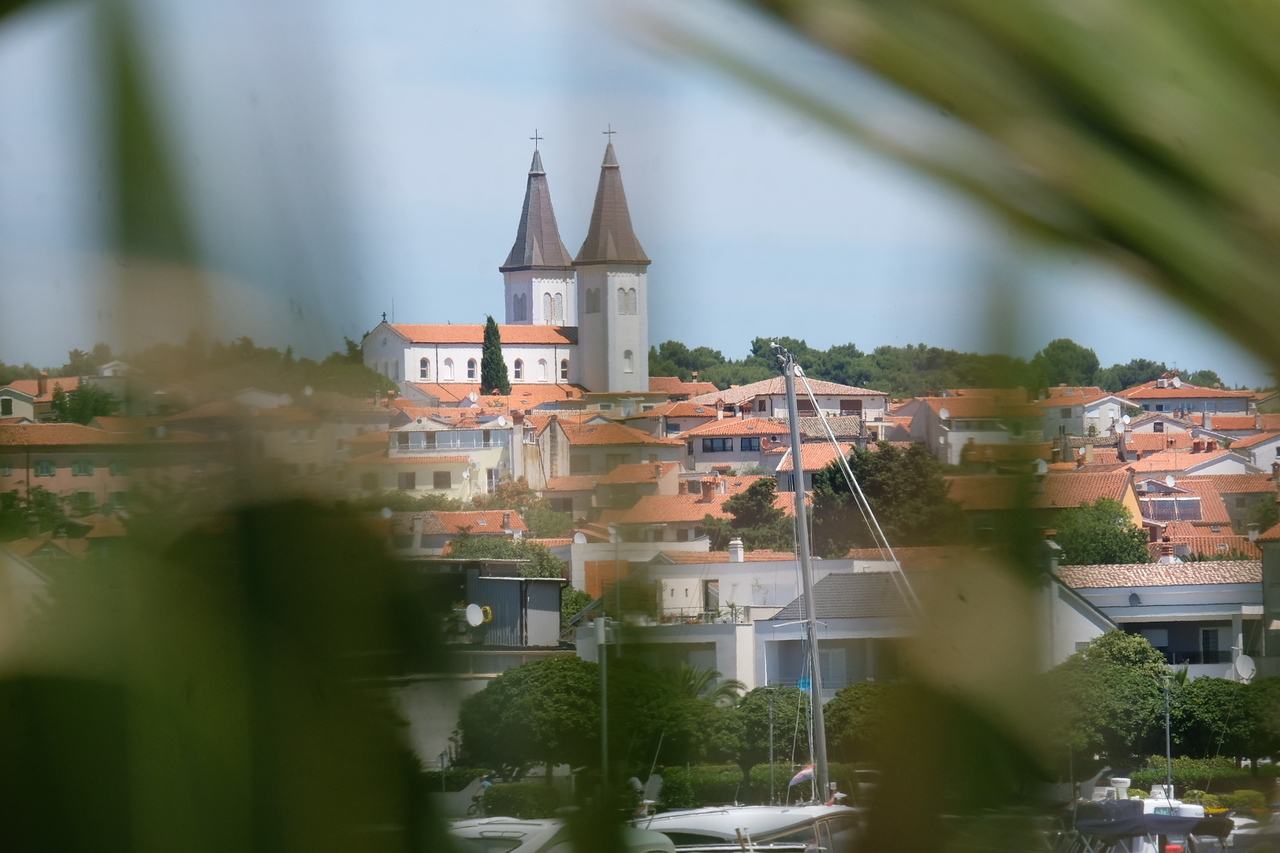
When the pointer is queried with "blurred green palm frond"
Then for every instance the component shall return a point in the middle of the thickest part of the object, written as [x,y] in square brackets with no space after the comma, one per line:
[1144,132]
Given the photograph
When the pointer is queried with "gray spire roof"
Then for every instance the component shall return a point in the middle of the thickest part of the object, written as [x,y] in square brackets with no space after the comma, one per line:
[538,244]
[610,238]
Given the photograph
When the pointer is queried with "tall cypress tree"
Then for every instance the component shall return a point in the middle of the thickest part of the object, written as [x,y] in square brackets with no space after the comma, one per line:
[493,370]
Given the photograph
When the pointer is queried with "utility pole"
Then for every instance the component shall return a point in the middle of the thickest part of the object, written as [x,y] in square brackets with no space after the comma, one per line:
[820,775]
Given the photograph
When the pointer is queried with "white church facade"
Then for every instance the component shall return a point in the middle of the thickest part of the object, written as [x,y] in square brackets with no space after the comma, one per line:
[578,321]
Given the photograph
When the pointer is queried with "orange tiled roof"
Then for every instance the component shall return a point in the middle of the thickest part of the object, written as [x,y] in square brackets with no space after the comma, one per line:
[77,547]
[676,385]
[550,543]
[1161,574]
[1234,484]
[1075,393]
[480,521]
[1059,490]
[42,435]
[814,456]
[678,409]
[571,483]
[777,386]
[982,407]
[1154,442]
[611,433]
[1175,460]
[1211,543]
[1149,391]
[1271,535]
[522,395]
[474,334]
[739,426]
[1251,440]
[31,387]
[639,472]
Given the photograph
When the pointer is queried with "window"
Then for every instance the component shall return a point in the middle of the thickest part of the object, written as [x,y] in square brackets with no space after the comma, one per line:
[82,468]
[406,481]
[1159,407]
[542,370]
[579,464]
[546,307]
[395,366]
[752,443]
[446,371]
[1158,426]
[622,301]
[424,369]
[492,477]
[564,370]
[402,439]
[633,305]
[1064,412]
[592,301]
[606,407]
[6,406]
[442,480]
[6,468]
[717,445]
[628,362]
[471,369]
[613,460]
[1146,407]
[850,407]
[517,370]
[762,405]
[386,368]
[1240,502]
[45,468]
[804,406]
[557,309]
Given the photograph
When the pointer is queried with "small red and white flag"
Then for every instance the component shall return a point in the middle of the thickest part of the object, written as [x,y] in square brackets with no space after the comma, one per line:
[804,775]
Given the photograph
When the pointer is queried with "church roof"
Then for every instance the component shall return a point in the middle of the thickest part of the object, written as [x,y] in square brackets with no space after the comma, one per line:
[474,334]
[610,238]
[538,244]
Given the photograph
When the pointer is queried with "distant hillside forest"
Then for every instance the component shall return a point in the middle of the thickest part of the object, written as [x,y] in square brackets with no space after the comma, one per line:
[914,371]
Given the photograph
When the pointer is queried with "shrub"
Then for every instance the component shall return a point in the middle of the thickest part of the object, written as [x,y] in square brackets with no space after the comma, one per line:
[525,800]
[1197,773]
[1245,799]
[1138,793]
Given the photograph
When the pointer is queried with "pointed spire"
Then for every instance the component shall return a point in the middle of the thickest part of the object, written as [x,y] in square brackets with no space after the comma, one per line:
[538,244]
[610,238]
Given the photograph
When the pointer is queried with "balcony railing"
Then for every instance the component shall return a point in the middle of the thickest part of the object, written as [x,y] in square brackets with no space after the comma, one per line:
[1197,657]
[446,449]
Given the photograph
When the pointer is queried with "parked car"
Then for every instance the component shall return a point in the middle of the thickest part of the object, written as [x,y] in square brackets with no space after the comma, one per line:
[512,835]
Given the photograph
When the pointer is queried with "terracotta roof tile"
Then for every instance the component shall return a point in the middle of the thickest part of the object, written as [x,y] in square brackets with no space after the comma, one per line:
[639,472]
[480,521]
[31,387]
[1149,391]
[982,407]
[1251,440]
[1154,442]
[1210,544]
[611,433]
[1234,484]
[678,409]
[49,434]
[474,334]
[676,385]
[739,426]
[1161,574]
[1174,460]
[521,396]
[1060,490]
[1271,535]
[815,456]
[571,483]
[777,386]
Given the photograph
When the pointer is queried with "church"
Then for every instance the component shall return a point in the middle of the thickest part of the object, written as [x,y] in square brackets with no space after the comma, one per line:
[574,324]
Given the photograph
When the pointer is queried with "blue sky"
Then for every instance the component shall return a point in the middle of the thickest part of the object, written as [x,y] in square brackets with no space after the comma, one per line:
[342,156]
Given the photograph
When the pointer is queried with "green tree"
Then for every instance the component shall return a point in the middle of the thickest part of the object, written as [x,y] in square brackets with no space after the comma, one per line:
[1100,533]
[493,369]
[704,682]
[1264,513]
[1065,362]
[906,490]
[855,719]
[82,404]
[18,512]
[790,720]
[572,602]
[543,712]
[1118,377]
[541,562]
[543,521]
[755,518]
[1107,698]
[1213,716]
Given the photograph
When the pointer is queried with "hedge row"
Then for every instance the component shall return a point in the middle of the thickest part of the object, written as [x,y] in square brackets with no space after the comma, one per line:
[689,787]
[1199,774]
[525,800]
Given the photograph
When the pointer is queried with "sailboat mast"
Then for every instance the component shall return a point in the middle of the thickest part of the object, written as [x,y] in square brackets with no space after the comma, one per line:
[820,774]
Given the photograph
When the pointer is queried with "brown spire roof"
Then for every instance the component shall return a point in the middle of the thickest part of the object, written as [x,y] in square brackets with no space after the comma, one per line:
[538,244]
[610,238]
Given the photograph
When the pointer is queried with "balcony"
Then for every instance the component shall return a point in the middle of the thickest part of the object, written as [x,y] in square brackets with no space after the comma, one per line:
[440,448]
[1195,658]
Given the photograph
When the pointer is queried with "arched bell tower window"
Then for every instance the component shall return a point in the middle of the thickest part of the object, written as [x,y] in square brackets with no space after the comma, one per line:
[517,372]
[622,301]
[631,301]
[546,307]
[628,362]
[557,310]
[424,369]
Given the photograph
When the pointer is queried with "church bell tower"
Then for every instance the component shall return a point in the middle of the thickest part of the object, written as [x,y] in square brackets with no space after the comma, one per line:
[538,275]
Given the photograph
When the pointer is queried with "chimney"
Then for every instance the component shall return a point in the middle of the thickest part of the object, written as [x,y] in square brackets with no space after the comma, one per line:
[661,427]
[417,531]
[722,485]
[657,470]
[708,491]
[42,384]
[506,522]
[517,417]
[1253,531]
[1210,445]
[682,487]
[1275,471]
[1196,446]
[1257,421]
[1166,551]
[1088,454]
[735,550]
[1208,420]
[1138,457]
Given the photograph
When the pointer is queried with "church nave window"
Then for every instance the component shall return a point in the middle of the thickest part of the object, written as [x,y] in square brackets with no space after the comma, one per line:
[424,369]
[471,369]
[446,370]
[564,370]
[542,370]
[517,371]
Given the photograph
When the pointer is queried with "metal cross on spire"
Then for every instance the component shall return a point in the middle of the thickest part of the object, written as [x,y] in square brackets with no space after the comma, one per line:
[536,138]
[610,132]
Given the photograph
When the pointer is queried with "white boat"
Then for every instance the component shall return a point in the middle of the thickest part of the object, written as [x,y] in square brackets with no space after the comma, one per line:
[512,835]
[765,828]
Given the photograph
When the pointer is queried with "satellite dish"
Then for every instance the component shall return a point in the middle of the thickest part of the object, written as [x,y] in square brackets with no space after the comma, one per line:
[1245,667]
[1042,467]
[475,616]
[307,390]
[466,475]
[1126,419]
[386,512]
[1168,480]
[473,396]
[944,413]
